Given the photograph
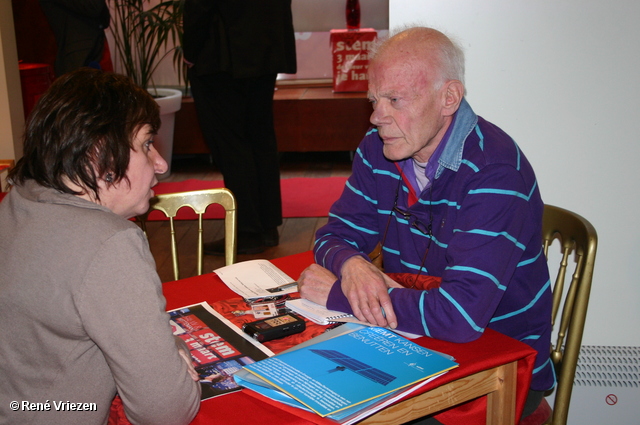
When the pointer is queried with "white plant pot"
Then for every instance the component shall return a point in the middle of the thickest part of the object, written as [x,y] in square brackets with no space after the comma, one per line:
[170,101]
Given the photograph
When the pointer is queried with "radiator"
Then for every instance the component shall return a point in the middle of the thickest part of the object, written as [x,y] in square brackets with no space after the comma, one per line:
[606,388]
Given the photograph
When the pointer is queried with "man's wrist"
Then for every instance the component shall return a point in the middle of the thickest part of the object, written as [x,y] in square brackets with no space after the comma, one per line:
[353,256]
[337,300]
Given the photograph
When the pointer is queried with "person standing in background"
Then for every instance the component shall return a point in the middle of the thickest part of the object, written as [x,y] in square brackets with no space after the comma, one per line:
[78,26]
[234,51]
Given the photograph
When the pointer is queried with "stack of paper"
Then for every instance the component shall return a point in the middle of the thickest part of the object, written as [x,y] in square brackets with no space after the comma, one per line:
[317,313]
[346,376]
[252,279]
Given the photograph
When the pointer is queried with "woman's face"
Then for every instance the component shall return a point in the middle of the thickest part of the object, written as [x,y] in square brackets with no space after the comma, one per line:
[128,199]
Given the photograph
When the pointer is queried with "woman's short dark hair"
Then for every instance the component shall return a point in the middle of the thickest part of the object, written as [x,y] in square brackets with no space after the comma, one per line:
[82,128]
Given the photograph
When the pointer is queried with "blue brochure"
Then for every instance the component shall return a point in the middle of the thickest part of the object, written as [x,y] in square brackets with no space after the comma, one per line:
[350,369]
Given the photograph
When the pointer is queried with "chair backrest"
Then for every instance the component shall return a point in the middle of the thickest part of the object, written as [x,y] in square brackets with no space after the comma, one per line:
[5,166]
[578,240]
[198,200]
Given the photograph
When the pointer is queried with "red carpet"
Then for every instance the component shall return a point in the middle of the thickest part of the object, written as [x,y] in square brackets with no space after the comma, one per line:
[301,196]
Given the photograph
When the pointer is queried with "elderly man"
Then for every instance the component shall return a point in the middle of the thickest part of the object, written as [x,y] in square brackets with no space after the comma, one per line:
[451,199]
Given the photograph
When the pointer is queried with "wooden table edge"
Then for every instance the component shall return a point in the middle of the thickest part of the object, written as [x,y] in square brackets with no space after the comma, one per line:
[498,384]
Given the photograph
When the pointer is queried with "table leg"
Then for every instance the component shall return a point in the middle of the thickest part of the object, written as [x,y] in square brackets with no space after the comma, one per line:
[501,404]
[498,383]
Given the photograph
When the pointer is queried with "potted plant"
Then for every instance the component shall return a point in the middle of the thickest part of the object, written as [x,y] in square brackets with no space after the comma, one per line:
[144,33]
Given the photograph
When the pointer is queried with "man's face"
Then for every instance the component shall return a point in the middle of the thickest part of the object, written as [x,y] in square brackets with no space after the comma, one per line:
[406,109]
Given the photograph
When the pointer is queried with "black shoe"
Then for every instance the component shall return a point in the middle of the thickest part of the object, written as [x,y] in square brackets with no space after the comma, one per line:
[247,244]
[271,237]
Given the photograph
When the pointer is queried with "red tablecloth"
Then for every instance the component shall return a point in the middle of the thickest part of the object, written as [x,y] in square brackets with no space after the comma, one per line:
[490,350]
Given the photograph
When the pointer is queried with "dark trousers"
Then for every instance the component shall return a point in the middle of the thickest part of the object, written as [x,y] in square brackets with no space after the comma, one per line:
[236,117]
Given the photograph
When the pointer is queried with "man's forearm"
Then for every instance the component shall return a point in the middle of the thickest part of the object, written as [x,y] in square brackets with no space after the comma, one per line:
[331,253]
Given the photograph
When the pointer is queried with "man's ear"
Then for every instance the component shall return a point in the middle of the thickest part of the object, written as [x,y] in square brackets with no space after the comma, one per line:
[453,92]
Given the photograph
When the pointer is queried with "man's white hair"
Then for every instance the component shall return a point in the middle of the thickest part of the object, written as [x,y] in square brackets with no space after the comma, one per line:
[451,61]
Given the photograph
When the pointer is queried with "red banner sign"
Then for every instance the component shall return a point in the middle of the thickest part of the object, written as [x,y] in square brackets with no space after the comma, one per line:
[350,50]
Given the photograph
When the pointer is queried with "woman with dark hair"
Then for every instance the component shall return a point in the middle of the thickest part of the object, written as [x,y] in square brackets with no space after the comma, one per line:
[81,306]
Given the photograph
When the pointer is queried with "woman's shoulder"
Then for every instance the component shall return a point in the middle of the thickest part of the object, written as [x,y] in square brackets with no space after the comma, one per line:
[86,223]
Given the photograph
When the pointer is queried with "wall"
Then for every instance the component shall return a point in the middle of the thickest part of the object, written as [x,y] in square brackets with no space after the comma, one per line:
[325,15]
[11,112]
[312,21]
[561,77]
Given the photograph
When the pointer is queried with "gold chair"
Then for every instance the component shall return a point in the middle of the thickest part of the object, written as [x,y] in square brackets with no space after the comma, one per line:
[578,237]
[5,166]
[198,200]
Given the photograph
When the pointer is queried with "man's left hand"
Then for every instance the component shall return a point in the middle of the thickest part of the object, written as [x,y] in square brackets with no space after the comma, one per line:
[315,283]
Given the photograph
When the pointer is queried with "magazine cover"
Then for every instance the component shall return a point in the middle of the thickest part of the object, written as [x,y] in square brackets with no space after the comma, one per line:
[218,348]
[350,369]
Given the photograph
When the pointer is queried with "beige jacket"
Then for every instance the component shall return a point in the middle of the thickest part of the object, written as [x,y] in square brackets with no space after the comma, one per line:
[82,316]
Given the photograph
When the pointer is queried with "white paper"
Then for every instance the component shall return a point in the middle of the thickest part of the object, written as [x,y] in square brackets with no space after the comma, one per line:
[318,313]
[251,279]
[323,316]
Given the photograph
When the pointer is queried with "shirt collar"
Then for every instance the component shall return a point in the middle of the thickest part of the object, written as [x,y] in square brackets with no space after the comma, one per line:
[465,121]
[448,154]
[432,164]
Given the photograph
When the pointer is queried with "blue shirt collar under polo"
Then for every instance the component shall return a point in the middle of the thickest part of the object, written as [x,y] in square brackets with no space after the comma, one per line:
[464,123]
[448,154]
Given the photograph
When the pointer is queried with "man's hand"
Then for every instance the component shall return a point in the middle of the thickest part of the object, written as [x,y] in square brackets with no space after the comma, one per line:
[365,286]
[315,283]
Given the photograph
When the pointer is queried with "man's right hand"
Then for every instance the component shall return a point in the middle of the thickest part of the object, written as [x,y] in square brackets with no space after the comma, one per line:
[365,286]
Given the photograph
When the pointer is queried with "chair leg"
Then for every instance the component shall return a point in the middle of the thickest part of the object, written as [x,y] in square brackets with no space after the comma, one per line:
[174,250]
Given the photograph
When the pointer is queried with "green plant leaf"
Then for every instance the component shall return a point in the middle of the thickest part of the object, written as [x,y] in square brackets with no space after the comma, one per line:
[143,33]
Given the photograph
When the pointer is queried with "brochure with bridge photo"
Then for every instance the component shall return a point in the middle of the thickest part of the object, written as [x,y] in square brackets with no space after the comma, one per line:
[350,369]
